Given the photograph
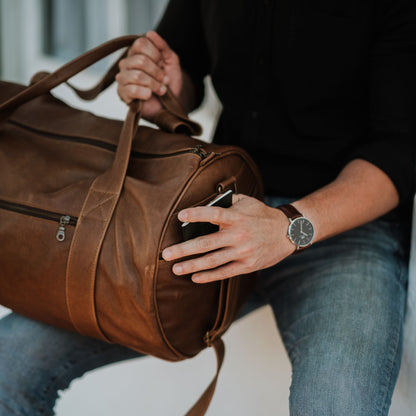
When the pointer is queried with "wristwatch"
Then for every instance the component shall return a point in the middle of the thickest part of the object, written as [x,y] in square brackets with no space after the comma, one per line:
[300,231]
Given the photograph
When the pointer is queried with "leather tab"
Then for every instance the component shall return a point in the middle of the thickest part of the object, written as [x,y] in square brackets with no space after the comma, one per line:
[172,124]
[231,182]
[172,104]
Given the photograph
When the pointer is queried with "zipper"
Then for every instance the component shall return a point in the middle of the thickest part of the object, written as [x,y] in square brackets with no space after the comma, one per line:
[198,149]
[62,219]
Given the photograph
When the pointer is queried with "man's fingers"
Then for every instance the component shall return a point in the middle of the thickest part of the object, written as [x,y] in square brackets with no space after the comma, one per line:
[131,92]
[198,245]
[144,46]
[224,272]
[140,78]
[238,198]
[207,262]
[162,45]
[214,215]
[145,64]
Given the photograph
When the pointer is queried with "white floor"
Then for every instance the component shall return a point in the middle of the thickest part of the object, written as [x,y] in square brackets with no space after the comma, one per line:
[254,379]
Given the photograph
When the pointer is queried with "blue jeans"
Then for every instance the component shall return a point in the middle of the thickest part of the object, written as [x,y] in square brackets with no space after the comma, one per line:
[339,307]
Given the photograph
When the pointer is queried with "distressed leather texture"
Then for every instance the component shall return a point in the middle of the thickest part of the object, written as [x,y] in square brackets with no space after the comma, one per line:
[123,185]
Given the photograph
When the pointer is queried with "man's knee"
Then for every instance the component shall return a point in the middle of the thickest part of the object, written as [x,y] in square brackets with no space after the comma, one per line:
[345,377]
[23,362]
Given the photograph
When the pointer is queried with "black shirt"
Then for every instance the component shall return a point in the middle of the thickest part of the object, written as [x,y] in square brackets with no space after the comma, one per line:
[306,85]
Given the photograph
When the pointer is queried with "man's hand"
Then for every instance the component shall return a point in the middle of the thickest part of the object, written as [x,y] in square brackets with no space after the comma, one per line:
[252,237]
[150,66]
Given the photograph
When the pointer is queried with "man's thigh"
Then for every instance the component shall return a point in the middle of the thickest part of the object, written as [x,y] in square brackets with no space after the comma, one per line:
[37,360]
[340,309]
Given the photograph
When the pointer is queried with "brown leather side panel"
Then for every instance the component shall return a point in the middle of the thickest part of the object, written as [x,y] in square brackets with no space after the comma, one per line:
[180,293]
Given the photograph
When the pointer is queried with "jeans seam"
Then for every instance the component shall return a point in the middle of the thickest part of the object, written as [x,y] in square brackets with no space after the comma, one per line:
[389,372]
[292,352]
[393,352]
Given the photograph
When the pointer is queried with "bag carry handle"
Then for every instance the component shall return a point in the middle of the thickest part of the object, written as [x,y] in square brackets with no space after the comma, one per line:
[46,82]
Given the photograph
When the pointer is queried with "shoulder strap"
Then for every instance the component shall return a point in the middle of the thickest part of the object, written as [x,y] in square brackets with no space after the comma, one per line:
[201,406]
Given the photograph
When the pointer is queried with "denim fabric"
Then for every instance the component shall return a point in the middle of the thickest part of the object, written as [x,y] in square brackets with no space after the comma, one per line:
[339,307]
[407,380]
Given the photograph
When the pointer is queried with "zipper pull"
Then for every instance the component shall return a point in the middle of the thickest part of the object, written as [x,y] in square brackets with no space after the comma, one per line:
[200,151]
[208,157]
[60,235]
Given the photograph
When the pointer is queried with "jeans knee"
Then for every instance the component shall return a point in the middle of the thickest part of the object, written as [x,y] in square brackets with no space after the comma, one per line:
[341,385]
[330,395]
[23,371]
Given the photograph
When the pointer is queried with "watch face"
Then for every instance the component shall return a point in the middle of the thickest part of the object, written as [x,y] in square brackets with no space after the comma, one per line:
[301,232]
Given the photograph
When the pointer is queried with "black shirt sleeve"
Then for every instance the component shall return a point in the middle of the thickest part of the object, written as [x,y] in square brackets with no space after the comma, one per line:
[181,26]
[391,140]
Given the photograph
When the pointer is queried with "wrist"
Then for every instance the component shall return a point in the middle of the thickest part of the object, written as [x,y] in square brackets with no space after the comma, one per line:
[278,233]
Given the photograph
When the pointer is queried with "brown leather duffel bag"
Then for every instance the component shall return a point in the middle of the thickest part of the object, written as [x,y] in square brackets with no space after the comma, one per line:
[85,212]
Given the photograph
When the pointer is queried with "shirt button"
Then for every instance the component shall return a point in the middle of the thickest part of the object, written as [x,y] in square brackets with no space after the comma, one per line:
[254,115]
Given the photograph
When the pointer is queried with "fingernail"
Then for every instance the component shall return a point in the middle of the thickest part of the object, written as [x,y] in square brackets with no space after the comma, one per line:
[166,254]
[162,90]
[177,269]
[183,215]
[196,278]
[166,80]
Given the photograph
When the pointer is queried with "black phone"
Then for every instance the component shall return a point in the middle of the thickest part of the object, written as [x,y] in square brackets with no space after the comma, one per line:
[196,229]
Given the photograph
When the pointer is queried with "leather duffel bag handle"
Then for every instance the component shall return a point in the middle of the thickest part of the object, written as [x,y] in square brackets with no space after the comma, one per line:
[173,119]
